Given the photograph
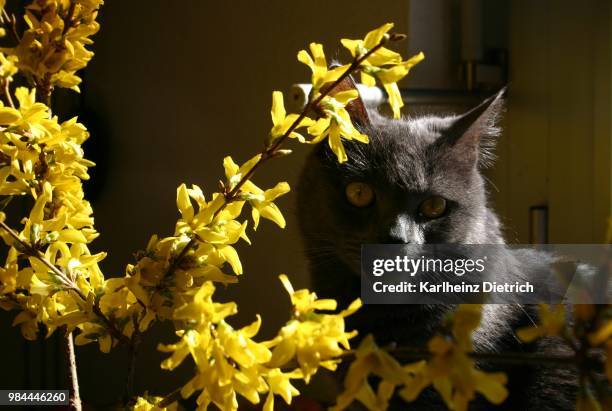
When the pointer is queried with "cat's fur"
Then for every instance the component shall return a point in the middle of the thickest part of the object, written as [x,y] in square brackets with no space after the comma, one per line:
[405,161]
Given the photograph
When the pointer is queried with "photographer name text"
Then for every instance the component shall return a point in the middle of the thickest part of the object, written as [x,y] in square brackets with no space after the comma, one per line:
[447,287]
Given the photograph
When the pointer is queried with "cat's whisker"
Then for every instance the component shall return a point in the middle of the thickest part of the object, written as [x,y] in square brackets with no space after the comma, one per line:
[491,182]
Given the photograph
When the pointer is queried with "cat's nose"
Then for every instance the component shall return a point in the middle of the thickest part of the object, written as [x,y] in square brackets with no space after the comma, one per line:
[402,230]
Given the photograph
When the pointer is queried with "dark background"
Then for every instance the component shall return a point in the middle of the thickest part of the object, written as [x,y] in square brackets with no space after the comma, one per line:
[176,86]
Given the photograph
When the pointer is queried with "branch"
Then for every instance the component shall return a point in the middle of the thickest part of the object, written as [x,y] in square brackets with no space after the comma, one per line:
[132,358]
[272,150]
[44,90]
[69,20]
[7,93]
[12,20]
[170,399]
[266,154]
[67,282]
[177,260]
[73,380]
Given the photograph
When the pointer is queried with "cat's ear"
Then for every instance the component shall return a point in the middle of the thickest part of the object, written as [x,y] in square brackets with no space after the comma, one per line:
[356,108]
[471,136]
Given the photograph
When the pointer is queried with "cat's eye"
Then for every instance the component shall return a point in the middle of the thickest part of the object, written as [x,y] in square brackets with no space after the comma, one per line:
[359,194]
[433,207]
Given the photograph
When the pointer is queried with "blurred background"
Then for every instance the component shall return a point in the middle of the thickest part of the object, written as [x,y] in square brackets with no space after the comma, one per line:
[176,86]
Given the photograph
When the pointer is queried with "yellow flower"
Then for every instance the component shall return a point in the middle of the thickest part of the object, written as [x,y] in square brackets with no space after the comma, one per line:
[263,205]
[313,338]
[229,361]
[8,66]
[450,370]
[551,323]
[380,57]
[94,332]
[150,404]
[119,302]
[385,65]
[466,319]
[8,273]
[280,384]
[202,309]
[216,237]
[417,379]
[282,122]
[235,173]
[318,64]
[336,123]
[304,302]
[191,220]
[53,46]
[389,78]
[602,334]
[239,346]
[28,323]
[453,374]
[370,360]
[260,200]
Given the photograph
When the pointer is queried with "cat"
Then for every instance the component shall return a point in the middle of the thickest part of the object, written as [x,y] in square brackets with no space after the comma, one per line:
[433,162]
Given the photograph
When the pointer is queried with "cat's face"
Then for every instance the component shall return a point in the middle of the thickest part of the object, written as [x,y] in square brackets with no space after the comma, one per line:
[416,182]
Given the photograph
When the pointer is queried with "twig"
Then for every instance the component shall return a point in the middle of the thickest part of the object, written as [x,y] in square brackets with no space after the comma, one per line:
[44,89]
[132,358]
[13,22]
[170,399]
[69,21]
[7,93]
[73,380]
[177,260]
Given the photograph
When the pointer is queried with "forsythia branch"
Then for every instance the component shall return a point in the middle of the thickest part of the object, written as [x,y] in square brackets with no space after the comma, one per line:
[66,281]
[272,150]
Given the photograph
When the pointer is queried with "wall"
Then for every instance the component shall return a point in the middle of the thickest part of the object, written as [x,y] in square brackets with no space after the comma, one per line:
[556,148]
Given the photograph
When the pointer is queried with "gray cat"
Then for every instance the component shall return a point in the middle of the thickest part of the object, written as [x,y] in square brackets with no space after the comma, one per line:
[418,181]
